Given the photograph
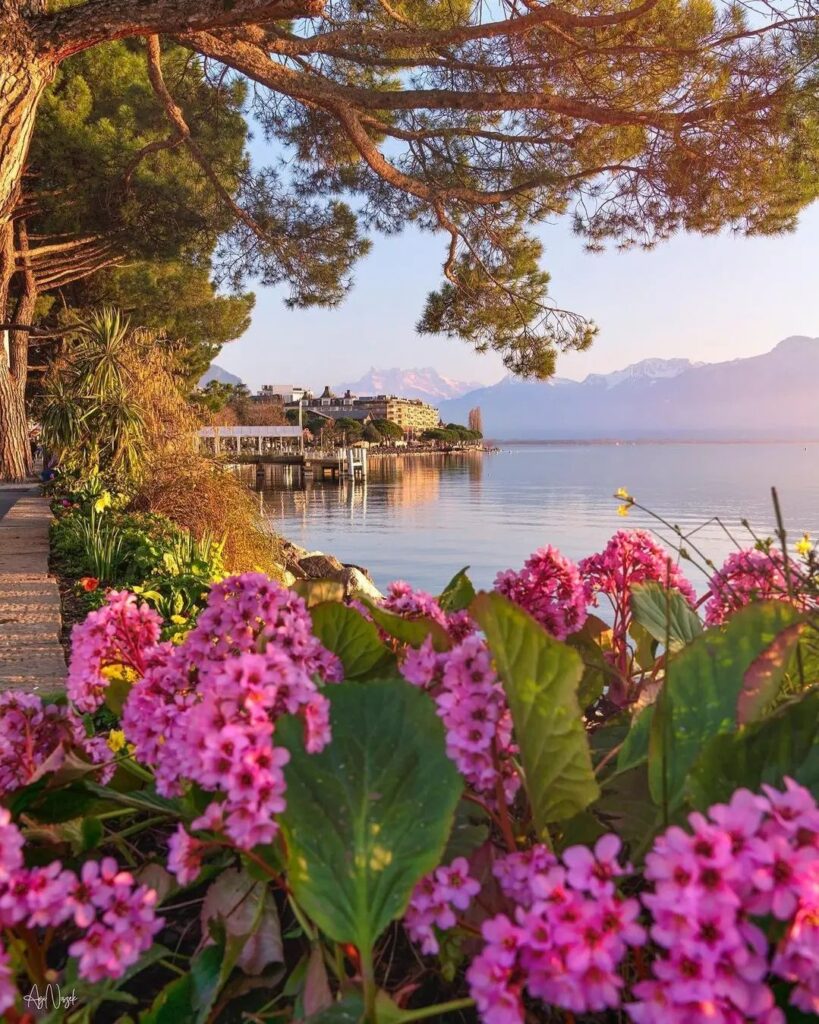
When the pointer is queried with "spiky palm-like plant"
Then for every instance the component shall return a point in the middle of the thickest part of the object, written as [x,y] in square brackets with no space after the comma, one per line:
[91,415]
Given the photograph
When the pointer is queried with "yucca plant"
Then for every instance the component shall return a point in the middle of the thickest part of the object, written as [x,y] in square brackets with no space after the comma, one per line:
[91,415]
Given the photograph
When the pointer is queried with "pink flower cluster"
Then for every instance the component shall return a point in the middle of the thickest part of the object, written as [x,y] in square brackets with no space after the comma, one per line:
[754,858]
[746,576]
[35,736]
[205,711]
[118,633]
[549,587]
[116,917]
[30,732]
[472,705]
[436,899]
[570,933]
[402,600]
[631,557]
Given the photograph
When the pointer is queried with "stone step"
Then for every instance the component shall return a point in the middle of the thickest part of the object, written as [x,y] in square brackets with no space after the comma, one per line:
[31,657]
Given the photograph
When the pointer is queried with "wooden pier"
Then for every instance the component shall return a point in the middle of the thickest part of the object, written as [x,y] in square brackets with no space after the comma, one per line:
[283,446]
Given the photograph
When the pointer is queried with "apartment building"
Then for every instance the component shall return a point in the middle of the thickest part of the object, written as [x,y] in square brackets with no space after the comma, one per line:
[411,414]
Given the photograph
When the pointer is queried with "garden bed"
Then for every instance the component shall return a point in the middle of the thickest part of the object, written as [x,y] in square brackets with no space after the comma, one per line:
[496,807]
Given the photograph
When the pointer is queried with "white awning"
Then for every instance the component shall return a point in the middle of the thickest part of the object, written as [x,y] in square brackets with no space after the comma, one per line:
[250,432]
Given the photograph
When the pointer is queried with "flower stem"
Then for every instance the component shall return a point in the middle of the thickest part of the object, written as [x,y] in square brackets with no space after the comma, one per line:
[434,1011]
[370,987]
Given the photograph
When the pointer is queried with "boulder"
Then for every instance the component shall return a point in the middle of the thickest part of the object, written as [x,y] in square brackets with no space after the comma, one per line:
[356,581]
[322,567]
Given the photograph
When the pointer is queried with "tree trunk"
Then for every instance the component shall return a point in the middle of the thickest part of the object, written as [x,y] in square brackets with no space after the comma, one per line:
[23,76]
[15,452]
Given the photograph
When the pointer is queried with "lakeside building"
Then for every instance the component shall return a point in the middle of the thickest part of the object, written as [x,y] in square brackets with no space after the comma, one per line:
[411,414]
[287,394]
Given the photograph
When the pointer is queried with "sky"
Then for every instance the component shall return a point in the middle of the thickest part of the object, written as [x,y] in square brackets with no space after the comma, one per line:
[705,299]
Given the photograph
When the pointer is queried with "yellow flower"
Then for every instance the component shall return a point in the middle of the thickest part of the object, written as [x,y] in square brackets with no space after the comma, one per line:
[804,546]
[624,510]
[178,620]
[621,492]
[116,740]
[122,673]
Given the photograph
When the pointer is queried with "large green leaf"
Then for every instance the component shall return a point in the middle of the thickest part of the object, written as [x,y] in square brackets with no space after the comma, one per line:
[370,814]
[183,998]
[541,677]
[763,679]
[596,670]
[458,594]
[346,632]
[665,614]
[785,743]
[702,692]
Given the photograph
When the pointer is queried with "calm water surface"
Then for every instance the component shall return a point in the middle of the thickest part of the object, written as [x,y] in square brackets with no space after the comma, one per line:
[421,518]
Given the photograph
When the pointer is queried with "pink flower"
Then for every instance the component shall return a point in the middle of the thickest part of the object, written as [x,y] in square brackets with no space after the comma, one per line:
[11,846]
[401,599]
[434,901]
[472,705]
[748,858]
[184,856]
[570,935]
[594,872]
[746,576]
[8,988]
[549,587]
[629,558]
[117,634]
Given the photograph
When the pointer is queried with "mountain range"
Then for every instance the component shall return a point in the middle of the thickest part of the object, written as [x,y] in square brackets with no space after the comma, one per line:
[422,382]
[770,396]
[215,372]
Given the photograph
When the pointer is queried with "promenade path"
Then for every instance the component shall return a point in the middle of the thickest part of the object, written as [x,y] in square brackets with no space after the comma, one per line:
[31,657]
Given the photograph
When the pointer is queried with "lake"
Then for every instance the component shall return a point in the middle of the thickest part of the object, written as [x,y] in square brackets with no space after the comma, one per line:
[421,518]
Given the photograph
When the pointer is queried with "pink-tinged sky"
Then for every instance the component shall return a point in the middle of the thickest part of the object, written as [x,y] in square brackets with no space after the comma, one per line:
[707,299]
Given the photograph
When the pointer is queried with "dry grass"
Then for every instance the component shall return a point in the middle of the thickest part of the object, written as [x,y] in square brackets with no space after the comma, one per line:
[191,489]
[196,492]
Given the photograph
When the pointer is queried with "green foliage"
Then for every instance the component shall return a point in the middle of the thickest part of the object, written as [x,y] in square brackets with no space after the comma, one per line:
[458,594]
[412,632]
[665,614]
[452,433]
[90,416]
[176,299]
[388,429]
[785,743]
[385,792]
[496,297]
[541,676]
[165,565]
[348,634]
[703,688]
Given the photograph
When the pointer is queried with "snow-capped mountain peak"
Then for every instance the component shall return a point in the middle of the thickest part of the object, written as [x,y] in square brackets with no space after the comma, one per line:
[421,382]
[646,369]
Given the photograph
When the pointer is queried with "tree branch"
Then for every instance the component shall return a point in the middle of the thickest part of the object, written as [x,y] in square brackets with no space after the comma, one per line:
[183,134]
[73,29]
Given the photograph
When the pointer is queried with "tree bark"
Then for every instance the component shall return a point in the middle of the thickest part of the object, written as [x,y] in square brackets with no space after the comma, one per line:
[15,451]
[24,74]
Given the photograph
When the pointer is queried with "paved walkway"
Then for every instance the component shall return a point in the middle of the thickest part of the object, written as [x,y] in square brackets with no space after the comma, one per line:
[31,657]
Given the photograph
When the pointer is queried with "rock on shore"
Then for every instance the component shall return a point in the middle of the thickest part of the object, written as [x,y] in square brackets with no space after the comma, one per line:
[300,564]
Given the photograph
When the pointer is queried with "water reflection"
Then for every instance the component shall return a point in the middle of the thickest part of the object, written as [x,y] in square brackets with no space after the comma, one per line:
[424,517]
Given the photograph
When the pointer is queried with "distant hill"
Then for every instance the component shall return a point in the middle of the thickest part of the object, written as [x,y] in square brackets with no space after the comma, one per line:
[215,372]
[424,383]
[775,395]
